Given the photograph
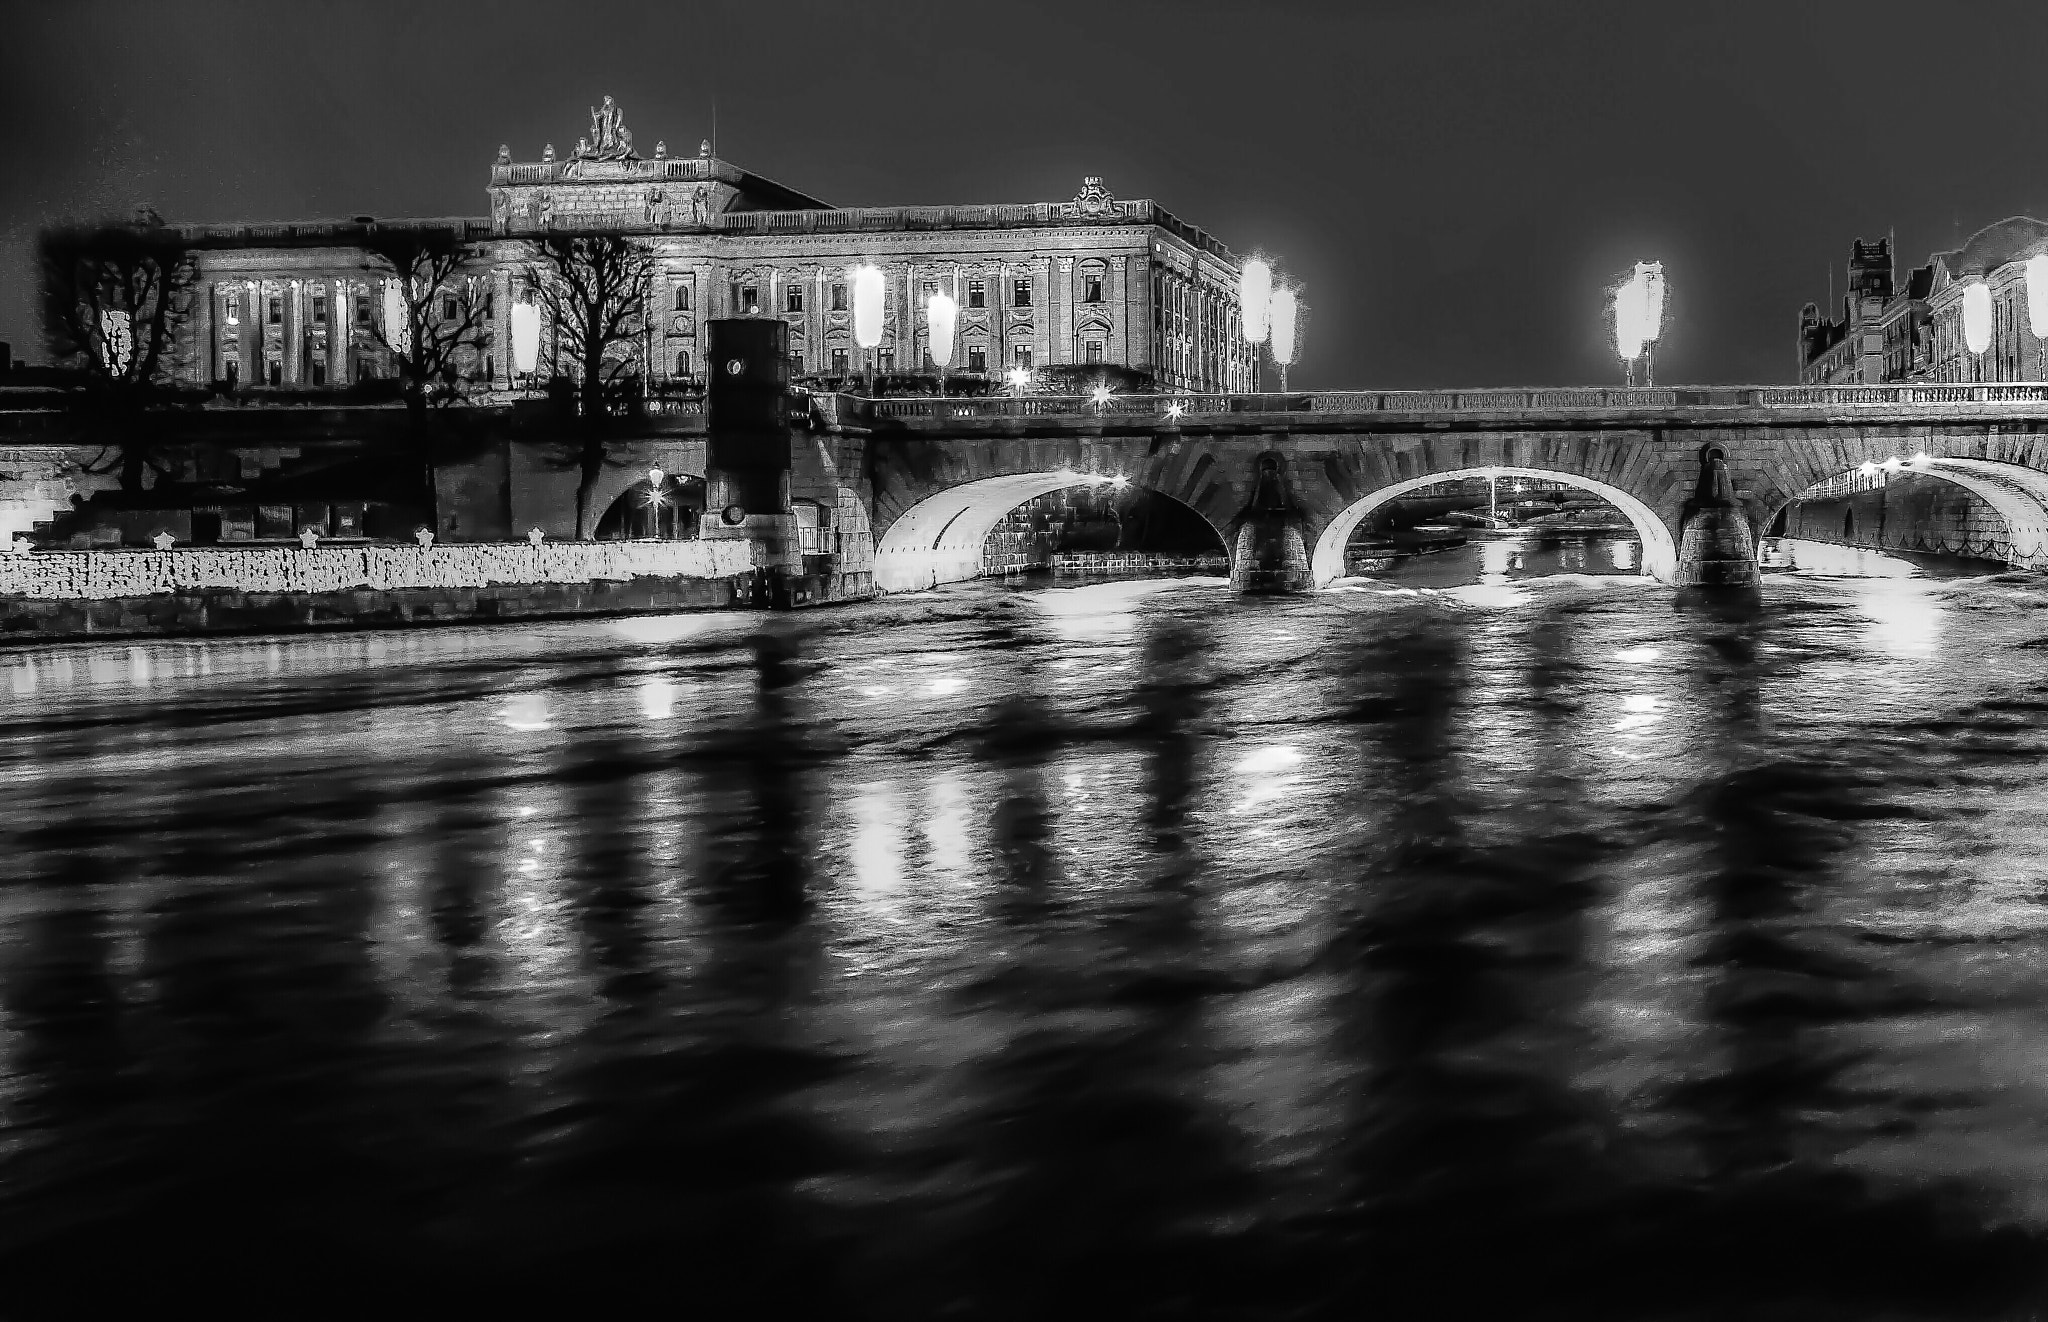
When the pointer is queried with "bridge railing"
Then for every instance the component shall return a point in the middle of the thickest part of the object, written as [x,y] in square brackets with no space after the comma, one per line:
[1485,400]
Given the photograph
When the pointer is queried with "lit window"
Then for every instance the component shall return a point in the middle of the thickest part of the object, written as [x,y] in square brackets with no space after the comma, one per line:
[276,315]
[931,287]
[977,359]
[839,298]
[319,372]
[1091,351]
[793,297]
[885,360]
[750,299]
[682,364]
[682,301]
[1020,293]
[839,359]
[362,309]
[1020,356]
[319,309]
[276,368]
[1091,289]
[234,308]
[977,293]
[796,362]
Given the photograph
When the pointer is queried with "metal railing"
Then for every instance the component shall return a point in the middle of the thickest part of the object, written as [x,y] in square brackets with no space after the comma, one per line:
[1489,400]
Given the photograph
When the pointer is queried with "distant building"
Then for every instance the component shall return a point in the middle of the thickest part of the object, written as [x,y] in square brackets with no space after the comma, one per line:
[1914,331]
[1093,280]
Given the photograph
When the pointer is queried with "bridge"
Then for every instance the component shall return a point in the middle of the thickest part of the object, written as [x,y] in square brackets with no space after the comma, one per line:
[917,484]
[1312,467]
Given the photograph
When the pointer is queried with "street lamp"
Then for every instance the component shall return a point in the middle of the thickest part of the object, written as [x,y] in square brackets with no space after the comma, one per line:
[525,338]
[1284,312]
[1254,297]
[1638,320]
[940,312]
[1977,323]
[397,328]
[867,314]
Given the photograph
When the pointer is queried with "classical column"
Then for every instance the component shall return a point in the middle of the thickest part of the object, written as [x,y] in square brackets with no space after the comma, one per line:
[1120,303]
[1063,290]
[1041,316]
[251,332]
[203,343]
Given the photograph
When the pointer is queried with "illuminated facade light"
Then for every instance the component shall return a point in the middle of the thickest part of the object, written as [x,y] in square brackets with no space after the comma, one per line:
[1019,378]
[941,312]
[867,306]
[525,336]
[397,330]
[1868,469]
[1100,394]
[1175,410]
[1977,316]
[655,477]
[1254,295]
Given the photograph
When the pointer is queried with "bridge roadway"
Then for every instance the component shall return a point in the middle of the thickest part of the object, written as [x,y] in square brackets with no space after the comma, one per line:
[1284,479]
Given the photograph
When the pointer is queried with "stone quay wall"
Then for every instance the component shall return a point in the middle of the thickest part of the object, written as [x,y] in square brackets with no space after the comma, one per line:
[108,575]
[78,595]
[1909,513]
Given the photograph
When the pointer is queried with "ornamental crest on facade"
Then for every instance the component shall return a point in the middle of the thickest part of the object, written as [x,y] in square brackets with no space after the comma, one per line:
[1094,199]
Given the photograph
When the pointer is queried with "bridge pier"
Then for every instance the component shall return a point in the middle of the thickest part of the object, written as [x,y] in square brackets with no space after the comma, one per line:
[1270,552]
[1715,547]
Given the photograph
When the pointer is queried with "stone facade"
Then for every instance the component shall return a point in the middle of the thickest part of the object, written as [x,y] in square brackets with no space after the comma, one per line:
[1907,512]
[1913,331]
[1097,279]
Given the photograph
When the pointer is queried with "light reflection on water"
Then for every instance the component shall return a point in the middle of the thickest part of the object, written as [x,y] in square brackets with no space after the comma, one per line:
[1201,946]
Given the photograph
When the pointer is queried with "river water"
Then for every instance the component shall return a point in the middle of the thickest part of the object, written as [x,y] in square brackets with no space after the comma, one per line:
[1494,938]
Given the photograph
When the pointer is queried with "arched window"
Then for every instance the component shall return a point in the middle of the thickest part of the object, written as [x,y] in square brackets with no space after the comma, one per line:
[682,302]
[682,364]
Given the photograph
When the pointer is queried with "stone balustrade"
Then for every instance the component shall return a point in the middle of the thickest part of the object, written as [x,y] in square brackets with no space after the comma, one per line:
[106,575]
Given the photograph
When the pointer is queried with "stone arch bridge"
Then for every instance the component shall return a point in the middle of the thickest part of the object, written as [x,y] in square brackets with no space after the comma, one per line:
[1285,480]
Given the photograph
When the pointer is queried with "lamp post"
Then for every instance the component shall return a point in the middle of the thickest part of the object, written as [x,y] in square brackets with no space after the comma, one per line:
[867,314]
[940,313]
[1284,312]
[525,339]
[1638,320]
[1976,324]
[1254,297]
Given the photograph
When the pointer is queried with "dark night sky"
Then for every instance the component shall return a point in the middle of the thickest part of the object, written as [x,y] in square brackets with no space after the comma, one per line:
[1454,181]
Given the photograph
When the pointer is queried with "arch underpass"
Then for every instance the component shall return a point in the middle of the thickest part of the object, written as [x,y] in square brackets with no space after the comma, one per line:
[2016,493]
[940,539]
[1660,552]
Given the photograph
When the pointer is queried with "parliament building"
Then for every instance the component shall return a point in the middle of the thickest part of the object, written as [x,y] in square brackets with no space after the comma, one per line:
[1093,280]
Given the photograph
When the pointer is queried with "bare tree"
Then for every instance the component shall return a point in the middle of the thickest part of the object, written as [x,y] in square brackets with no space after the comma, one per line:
[115,300]
[444,307]
[593,289]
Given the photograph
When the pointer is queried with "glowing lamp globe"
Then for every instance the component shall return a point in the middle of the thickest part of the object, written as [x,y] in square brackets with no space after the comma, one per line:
[1631,318]
[1284,311]
[2037,295]
[397,330]
[525,336]
[1254,295]
[1651,274]
[940,314]
[1977,316]
[867,306]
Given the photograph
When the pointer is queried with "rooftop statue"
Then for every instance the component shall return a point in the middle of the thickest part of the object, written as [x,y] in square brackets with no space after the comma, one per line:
[610,139]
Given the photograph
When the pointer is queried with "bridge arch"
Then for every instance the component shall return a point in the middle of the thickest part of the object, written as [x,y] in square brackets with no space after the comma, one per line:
[2017,493]
[940,538]
[1660,552]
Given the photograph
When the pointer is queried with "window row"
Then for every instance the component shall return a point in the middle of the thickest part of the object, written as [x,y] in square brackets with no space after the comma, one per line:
[746,298]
